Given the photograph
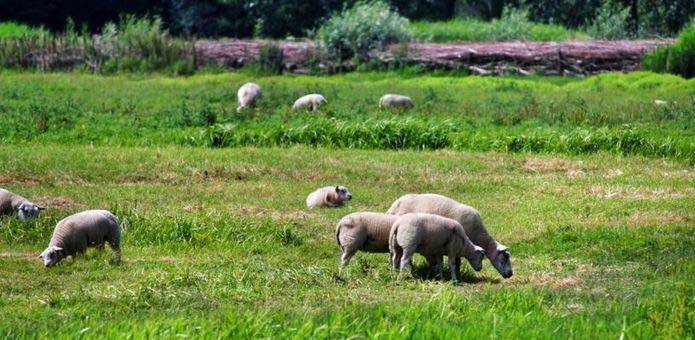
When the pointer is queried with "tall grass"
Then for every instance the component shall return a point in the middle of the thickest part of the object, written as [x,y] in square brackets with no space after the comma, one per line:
[678,58]
[10,29]
[513,25]
[136,45]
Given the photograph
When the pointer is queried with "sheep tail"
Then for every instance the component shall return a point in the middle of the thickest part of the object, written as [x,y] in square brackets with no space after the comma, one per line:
[337,236]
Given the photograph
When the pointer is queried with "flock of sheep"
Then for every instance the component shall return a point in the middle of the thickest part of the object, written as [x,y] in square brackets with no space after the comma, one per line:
[250,93]
[429,224]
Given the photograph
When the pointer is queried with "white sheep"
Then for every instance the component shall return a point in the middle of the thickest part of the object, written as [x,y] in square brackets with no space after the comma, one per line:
[247,95]
[396,101]
[75,233]
[432,236]
[11,203]
[312,102]
[328,197]
[365,231]
[467,216]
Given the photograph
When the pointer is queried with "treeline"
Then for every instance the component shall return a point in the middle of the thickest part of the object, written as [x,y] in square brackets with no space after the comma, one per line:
[280,19]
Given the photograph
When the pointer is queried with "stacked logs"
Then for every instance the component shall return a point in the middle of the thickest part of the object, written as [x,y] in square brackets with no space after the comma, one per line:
[573,58]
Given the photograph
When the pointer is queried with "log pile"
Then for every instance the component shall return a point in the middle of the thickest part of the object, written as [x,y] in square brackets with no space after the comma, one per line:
[573,58]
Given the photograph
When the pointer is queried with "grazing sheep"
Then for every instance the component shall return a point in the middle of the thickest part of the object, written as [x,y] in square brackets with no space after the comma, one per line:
[247,95]
[328,197]
[74,234]
[396,101]
[11,203]
[312,102]
[468,217]
[432,236]
[365,231]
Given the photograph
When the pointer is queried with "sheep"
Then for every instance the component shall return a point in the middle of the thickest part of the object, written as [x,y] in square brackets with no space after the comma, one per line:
[432,236]
[312,102]
[396,101]
[75,233]
[365,231]
[247,95]
[328,197]
[467,216]
[11,203]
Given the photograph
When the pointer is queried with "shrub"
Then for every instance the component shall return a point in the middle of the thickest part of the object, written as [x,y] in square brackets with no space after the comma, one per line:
[14,30]
[365,27]
[269,61]
[610,23]
[678,58]
[135,45]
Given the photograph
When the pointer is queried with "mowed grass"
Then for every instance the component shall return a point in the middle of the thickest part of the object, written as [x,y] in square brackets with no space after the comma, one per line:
[612,112]
[218,243]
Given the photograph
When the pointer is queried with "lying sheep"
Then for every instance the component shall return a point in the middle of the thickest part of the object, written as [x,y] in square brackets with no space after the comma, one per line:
[11,203]
[328,197]
[468,217]
[396,101]
[432,236]
[365,231]
[312,102]
[74,234]
[247,95]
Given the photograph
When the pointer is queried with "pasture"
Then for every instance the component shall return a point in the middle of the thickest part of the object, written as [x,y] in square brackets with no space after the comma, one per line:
[587,181]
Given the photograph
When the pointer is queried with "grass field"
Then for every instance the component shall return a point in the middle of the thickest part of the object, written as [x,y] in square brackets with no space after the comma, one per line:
[587,181]
[218,243]
[496,30]
[613,112]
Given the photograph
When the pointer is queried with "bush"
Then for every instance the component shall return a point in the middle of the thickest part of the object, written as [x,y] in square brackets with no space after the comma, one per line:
[133,45]
[269,61]
[365,27]
[678,58]
[514,25]
[14,30]
[611,23]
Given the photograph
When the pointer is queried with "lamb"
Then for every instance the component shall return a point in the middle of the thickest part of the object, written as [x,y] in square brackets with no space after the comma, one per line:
[365,231]
[312,102]
[11,203]
[74,234]
[247,95]
[432,236]
[396,101]
[328,197]
[467,216]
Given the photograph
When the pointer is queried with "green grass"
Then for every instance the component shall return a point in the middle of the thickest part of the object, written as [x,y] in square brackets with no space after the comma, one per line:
[612,112]
[10,30]
[218,243]
[495,30]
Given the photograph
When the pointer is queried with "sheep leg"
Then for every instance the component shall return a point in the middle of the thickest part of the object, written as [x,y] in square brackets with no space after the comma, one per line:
[458,266]
[116,249]
[396,258]
[406,260]
[454,266]
[347,254]
[435,265]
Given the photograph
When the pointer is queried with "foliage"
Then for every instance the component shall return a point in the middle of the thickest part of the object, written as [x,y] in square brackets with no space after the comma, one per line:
[15,30]
[678,58]
[611,23]
[134,45]
[362,29]
[269,61]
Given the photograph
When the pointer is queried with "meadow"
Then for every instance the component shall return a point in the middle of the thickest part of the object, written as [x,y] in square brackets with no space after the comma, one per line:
[217,242]
[612,112]
[511,28]
[587,181]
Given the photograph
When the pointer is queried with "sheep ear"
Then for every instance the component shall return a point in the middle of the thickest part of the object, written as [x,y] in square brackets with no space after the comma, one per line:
[502,248]
[479,249]
[337,188]
[40,207]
